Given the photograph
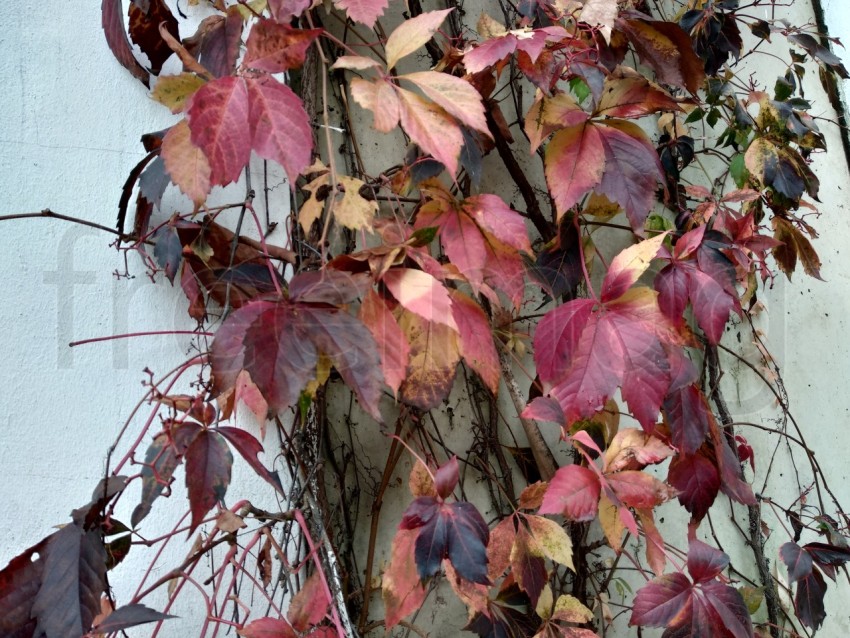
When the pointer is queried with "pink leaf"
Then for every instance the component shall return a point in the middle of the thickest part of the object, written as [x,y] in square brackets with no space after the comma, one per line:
[431,128]
[380,98]
[280,128]
[476,339]
[420,293]
[446,478]
[274,47]
[393,347]
[457,96]
[402,590]
[364,11]
[628,266]
[268,628]
[218,118]
[492,214]
[575,164]
[310,604]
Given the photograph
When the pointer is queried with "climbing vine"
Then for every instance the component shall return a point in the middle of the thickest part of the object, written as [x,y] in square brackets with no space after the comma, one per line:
[514,245]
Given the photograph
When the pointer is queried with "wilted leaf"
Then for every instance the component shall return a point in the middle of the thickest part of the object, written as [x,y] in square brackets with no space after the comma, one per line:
[434,355]
[794,245]
[144,31]
[274,47]
[112,21]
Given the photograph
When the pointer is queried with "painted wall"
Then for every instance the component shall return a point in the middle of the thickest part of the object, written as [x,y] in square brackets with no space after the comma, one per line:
[69,129]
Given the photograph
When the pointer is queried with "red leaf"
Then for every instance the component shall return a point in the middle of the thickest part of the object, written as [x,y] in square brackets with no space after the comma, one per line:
[638,489]
[112,21]
[797,560]
[446,477]
[268,628]
[688,415]
[393,348]
[280,128]
[218,118]
[19,583]
[249,448]
[402,590]
[208,464]
[364,11]
[499,548]
[593,348]
[697,480]
[573,492]
[476,340]
[144,31]
[704,561]
[544,409]
[274,47]
[808,601]
[285,10]
[575,164]
[310,604]
[663,602]
[633,449]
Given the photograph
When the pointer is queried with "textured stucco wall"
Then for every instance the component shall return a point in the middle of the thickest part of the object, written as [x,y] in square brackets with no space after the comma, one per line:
[69,129]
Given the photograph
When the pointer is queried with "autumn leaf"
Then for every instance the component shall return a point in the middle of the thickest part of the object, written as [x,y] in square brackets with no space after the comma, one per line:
[413,34]
[280,128]
[667,49]
[697,480]
[434,355]
[694,608]
[379,97]
[208,464]
[310,604]
[73,578]
[274,47]
[455,95]
[448,530]
[186,163]
[393,347]
[431,127]
[476,340]
[144,25]
[527,564]
[128,616]
[601,13]
[366,12]
[174,91]
[422,294]
[217,41]
[401,588]
[574,492]
[218,118]
[267,628]
[112,21]
[279,343]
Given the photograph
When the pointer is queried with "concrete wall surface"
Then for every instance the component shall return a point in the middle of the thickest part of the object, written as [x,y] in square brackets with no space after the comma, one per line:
[69,129]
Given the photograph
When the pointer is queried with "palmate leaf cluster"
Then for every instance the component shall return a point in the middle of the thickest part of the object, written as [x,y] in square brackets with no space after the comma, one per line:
[415,271]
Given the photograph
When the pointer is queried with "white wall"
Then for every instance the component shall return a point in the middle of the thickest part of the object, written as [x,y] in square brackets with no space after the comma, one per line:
[69,127]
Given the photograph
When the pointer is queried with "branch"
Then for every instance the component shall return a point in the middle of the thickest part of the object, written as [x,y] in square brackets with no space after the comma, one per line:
[542,454]
[49,214]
